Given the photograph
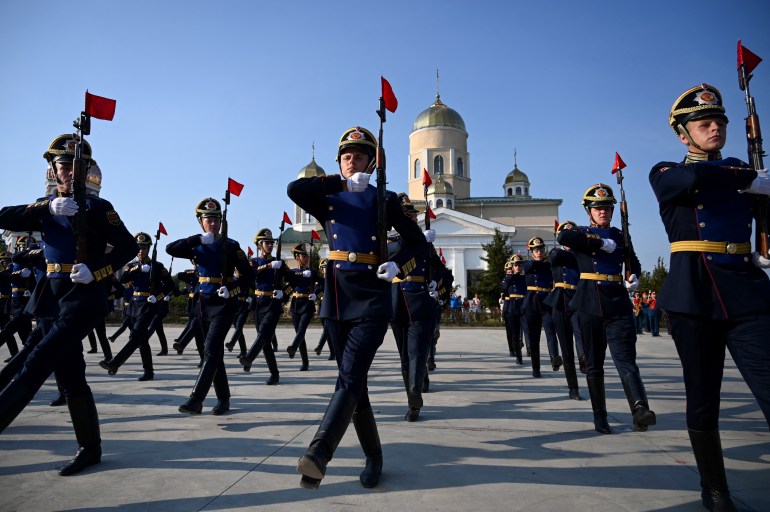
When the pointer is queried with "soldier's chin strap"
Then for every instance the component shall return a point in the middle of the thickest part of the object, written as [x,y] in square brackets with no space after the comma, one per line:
[591,217]
[682,130]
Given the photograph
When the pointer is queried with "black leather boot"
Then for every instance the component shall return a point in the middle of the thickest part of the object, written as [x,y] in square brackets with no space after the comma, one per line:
[707,447]
[572,381]
[312,465]
[222,406]
[85,421]
[534,354]
[598,404]
[637,402]
[194,405]
[59,400]
[366,429]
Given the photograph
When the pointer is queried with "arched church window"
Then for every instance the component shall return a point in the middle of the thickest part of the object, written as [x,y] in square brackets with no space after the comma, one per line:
[417,168]
[518,191]
[439,203]
[526,191]
[460,170]
[448,203]
[438,165]
[510,192]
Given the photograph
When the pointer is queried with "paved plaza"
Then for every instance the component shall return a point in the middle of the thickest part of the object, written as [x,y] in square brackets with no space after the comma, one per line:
[490,438]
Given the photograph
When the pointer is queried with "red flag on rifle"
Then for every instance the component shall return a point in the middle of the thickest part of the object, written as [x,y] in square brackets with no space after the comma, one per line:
[430,212]
[100,108]
[443,260]
[314,235]
[391,103]
[249,251]
[619,164]
[426,181]
[286,218]
[556,225]
[747,57]
[440,252]
[162,229]
[234,187]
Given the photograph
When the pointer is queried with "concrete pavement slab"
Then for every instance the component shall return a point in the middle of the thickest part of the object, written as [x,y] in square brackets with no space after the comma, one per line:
[490,437]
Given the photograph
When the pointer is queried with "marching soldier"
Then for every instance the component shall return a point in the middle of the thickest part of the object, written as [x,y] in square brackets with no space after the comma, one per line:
[192,328]
[565,279]
[603,308]
[357,306]
[72,294]
[306,288]
[537,272]
[268,306]
[716,294]
[215,259]
[22,284]
[245,298]
[151,282]
[414,312]
[514,286]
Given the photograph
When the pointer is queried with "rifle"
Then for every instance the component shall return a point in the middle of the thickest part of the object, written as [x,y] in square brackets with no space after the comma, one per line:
[223,232]
[153,259]
[79,170]
[426,182]
[382,218]
[284,221]
[618,169]
[747,61]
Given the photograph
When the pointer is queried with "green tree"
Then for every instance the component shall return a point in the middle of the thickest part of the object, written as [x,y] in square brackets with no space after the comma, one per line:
[498,251]
[653,280]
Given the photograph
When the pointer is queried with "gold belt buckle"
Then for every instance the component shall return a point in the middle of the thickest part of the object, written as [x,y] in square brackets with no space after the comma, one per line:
[57,267]
[731,248]
[352,257]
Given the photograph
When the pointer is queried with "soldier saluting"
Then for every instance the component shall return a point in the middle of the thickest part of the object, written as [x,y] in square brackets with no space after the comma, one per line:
[73,294]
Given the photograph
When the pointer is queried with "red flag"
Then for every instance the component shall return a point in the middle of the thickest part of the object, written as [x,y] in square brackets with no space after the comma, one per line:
[249,251]
[440,252]
[162,229]
[443,260]
[391,103]
[234,187]
[746,56]
[314,235]
[100,108]
[286,218]
[426,181]
[430,212]
[619,164]
[556,225]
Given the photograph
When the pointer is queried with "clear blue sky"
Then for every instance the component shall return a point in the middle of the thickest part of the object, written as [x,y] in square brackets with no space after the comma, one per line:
[208,90]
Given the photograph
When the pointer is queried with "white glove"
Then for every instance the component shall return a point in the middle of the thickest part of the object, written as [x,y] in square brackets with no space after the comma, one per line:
[759,261]
[146,268]
[223,292]
[433,294]
[81,274]
[207,238]
[27,293]
[387,271]
[278,294]
[430,235]
[312,297]
[432,286]
[65,206]
[760,185]
[152,299]
[25,272]
[358,182]
[276,264]
[249,300]
[167,298]
[306,273]
[609,245]
[632,283]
